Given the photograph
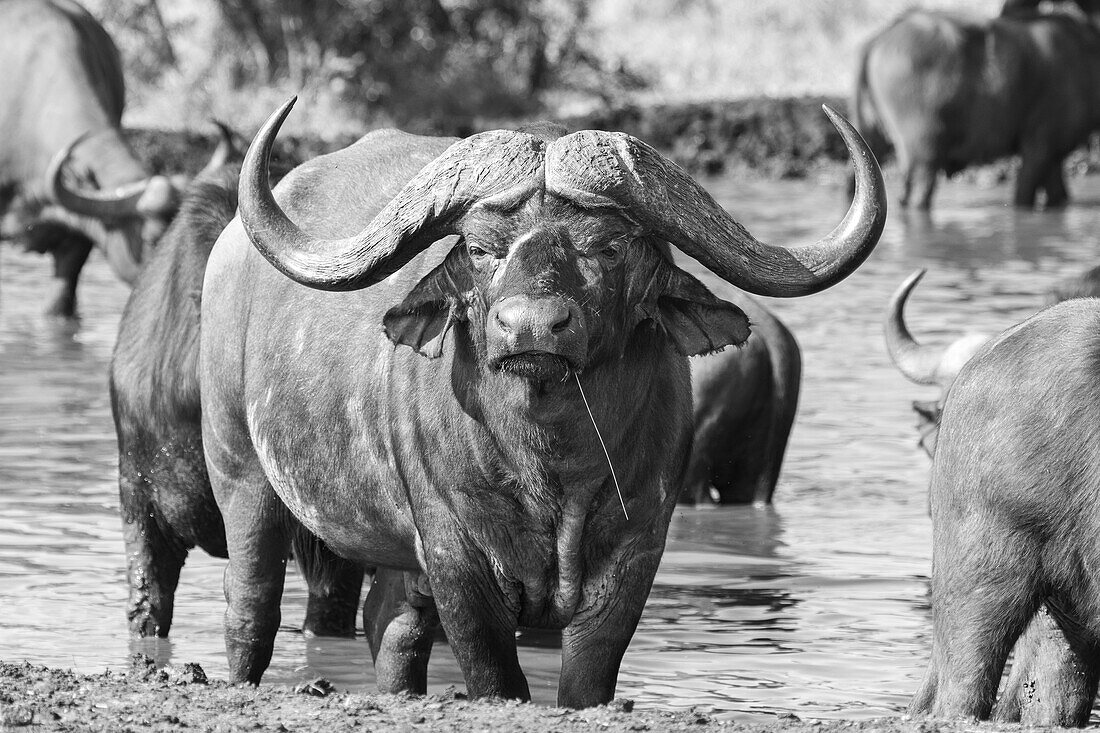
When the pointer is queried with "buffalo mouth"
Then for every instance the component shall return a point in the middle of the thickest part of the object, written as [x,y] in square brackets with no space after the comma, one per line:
[540,366]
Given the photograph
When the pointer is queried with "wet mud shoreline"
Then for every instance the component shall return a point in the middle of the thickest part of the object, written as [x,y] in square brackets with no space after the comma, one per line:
[145,698]
[772,137]
[781,137]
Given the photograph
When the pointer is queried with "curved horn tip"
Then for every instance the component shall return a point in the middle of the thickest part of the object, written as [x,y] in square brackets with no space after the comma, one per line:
[848,131]
[223,128]
[57,164]
[259,150]
[909,283]
[916,276]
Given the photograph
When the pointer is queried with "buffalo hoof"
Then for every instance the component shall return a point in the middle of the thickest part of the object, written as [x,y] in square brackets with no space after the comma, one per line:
[63,306]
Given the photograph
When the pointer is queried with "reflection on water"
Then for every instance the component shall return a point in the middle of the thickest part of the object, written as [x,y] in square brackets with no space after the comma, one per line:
[816,606]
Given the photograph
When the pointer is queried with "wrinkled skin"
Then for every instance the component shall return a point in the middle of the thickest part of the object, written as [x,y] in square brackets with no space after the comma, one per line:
[745,402]
[63,79]
[1013,490]
[167,504]
[948,92]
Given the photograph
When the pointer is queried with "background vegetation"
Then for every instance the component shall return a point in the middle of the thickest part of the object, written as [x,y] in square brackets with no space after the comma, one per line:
[450,65]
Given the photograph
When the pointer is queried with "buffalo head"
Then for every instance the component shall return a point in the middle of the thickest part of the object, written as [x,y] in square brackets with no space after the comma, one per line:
[562,248]
[921,364]
[136,214]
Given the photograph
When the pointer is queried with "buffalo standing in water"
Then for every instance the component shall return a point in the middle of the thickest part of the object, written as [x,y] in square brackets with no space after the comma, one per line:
[949,92]
[1014,511]
[1047,685]
[166,501]
[745,403]
[61,100]
[454,444]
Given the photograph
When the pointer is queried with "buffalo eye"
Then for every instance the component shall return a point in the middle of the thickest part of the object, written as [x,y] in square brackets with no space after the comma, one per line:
[476,251]
[611,253]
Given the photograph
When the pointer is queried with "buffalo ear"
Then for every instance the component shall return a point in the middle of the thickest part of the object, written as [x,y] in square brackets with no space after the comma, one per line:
[695,319]
[427,313]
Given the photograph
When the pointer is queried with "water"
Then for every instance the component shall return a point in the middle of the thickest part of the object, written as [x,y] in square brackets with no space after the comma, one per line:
[816,606]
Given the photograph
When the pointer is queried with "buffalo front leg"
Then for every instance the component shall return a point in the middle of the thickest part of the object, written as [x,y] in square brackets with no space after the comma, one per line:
[258,542]
[1036,170]
[400,620]
[480,622]
[1054,675]
[154,559]
[1055,187]
[593,644]
[70,251]
[983,595]
[920,184]
[334,583]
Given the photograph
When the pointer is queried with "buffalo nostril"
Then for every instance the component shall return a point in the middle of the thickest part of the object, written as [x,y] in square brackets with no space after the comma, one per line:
[509,318]
[561,320]
[520,315]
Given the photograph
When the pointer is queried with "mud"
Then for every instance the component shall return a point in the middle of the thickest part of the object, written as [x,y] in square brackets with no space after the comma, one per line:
[182,698]
[786,137]
[783,138]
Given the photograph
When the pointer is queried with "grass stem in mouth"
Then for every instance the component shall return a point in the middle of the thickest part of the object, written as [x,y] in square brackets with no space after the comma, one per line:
[603,445]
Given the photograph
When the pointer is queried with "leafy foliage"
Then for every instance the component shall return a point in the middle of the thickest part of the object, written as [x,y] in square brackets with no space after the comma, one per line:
[425,60]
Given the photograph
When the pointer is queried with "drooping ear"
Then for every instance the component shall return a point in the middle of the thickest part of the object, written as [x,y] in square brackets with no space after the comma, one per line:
[427,313]
[696,321]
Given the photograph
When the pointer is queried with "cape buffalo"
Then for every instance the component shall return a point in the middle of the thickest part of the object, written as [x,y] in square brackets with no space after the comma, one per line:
[1014,510]
[950,92]
[745,402]
[519,461]
[166,501]
[1043,666]
[61,100]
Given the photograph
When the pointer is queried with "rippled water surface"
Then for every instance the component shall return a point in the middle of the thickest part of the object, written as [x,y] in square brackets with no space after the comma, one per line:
[815,606]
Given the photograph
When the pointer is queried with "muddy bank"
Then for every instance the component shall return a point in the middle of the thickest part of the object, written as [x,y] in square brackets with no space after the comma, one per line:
[182,698]
[784,137]
[787,137]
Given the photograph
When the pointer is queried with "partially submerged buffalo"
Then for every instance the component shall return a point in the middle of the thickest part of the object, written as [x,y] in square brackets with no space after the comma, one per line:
[61,101]
[419,379]
[167,504]
[745,403]
[949,92]
[1014,499]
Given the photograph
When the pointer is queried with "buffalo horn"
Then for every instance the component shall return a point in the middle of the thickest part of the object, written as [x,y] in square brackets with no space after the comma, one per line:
[425,210]
[225,150]
[917,363]
[119,203]
[607,168]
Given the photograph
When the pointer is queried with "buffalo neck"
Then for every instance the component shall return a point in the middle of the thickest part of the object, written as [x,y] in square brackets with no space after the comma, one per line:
[550,460]
[543,431]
